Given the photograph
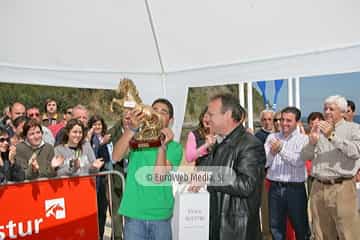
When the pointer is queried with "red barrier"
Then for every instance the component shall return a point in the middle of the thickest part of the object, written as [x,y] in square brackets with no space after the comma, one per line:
[61,209]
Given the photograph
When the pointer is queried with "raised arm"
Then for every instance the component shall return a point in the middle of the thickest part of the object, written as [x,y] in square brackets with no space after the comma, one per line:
[122,145]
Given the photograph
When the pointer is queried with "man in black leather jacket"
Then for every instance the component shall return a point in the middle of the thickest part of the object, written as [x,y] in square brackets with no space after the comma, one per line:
[234,206]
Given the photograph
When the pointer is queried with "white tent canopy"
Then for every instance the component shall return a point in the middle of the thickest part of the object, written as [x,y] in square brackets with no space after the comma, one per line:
[167,46]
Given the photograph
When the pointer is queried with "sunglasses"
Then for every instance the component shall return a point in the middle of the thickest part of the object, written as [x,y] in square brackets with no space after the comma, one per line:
[4,139]
[34,114]
[277,119]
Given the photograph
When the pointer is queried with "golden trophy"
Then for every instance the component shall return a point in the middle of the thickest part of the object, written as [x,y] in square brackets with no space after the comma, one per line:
[149,133]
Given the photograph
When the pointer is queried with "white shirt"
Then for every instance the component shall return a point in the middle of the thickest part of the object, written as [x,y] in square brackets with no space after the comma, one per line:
[286,166]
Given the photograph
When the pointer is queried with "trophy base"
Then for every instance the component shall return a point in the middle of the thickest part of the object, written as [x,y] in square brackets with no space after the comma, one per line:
[136,144]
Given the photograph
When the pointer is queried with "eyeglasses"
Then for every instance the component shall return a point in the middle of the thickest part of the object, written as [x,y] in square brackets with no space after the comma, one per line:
[4,139]
[34,114]
[277,119]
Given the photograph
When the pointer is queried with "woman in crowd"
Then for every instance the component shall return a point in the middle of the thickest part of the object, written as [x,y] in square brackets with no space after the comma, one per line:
[33,154]
[199,140]
[100,143]
[9,169]
[277,119]
[313,118]
[74,155]
[99,138]
[19,123]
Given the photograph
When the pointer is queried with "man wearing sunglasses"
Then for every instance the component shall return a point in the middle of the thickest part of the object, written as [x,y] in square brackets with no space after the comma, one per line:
[9,169]
[34,113]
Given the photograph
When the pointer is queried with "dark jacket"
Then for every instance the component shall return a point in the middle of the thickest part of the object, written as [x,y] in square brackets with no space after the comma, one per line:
[234,207]
[10,172]
[262,135]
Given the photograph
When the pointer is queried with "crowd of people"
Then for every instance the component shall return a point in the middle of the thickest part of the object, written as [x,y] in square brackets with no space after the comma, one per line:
[319,162]
[35,145]
[308,190]
[277,169]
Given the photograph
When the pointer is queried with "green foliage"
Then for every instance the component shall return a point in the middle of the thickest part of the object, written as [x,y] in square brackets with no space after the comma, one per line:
[199,96]
[97,101]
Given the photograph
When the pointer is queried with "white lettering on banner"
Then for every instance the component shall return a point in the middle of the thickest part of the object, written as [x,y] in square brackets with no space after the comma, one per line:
[13,234]
[13,230]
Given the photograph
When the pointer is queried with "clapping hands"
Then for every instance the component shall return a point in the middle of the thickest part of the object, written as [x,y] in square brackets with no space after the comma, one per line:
[12,153]
[314,134]
[57,161]
[275,146]
[326,128]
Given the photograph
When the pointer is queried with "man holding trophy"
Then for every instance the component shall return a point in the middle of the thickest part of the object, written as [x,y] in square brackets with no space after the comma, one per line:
[148,208]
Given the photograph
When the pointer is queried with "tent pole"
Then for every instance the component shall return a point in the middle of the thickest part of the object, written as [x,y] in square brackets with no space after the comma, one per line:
[297,92]
[241,94]
[290,92]
[163,81]
[250,105]
[155,39]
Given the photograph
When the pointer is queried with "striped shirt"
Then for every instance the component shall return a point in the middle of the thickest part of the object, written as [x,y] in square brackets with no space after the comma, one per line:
[286,166]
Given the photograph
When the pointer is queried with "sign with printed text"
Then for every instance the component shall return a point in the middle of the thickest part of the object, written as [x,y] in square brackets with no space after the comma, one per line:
[191,216]
[62,209]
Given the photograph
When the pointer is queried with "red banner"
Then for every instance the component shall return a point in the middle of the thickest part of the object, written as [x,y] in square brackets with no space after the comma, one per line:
[60,209]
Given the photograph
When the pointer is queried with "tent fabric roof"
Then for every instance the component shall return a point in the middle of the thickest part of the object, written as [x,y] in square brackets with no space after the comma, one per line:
[96,43]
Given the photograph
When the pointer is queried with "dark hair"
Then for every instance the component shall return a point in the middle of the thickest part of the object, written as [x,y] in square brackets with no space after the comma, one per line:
[30,124]
[292,110]
[67,108]
[20,120]
[315,115]
[167,103]
[351,104]
[46,103]
[3,130]
[96,118]
[231,103]
[201,128]
[70,125]
[5,119]
[33,106]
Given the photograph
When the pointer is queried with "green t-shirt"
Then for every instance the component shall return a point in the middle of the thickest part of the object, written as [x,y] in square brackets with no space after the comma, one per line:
[144,199]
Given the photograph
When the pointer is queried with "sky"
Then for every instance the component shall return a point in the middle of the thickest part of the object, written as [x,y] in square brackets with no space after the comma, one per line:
[314,90]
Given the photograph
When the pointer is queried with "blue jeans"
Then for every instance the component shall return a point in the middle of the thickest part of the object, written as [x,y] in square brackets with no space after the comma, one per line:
[147,229]
[288,200]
